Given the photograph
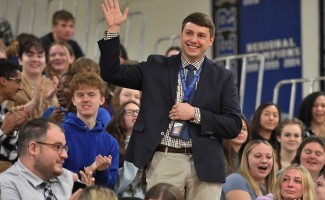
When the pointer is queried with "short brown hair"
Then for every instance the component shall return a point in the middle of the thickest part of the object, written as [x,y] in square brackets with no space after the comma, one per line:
[62,15]
[82,80]
[86,64]
[200,19]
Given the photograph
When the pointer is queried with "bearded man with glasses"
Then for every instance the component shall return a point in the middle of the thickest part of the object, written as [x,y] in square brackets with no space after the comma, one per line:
[39,171]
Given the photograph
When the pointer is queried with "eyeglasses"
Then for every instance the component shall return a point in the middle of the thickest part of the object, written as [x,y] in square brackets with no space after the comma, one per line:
[59,148]
[131,112]
[18,80]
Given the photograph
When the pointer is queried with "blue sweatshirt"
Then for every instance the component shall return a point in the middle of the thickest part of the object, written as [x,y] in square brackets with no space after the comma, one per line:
[85,144]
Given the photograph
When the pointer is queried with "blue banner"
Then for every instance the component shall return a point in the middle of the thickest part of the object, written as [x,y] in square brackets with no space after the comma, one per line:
[271,27]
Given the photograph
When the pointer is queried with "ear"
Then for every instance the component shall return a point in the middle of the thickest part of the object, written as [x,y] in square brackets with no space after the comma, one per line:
[211,40]
[32,148]
[3,81]
[73,101]
[20,61]
[102,101]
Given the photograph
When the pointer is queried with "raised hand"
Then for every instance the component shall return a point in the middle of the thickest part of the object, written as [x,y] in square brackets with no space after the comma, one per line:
[113,15]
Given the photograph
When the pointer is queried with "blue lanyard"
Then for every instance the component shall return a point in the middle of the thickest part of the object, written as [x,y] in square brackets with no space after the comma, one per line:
[188,88]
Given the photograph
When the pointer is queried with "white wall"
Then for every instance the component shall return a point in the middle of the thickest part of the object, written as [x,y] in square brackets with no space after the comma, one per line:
[162,18]
[310,39]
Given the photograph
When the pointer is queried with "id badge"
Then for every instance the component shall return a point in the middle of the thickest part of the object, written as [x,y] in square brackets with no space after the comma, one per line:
[177,128]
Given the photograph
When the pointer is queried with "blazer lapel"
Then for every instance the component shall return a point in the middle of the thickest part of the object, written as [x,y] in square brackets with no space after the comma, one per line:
[205,77]
[173,65]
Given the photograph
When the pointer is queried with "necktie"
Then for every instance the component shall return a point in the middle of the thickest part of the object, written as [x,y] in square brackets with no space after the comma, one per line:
[185,135]
[189,79]
[48,193]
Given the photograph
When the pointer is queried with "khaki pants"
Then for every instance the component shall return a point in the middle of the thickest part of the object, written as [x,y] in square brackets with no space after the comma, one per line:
[178,169]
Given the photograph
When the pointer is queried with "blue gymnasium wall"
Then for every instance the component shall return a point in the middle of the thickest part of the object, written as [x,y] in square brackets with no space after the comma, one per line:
[270,27]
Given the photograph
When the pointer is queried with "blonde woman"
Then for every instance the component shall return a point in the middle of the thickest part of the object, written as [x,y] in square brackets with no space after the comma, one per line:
[293,183]
[256,173]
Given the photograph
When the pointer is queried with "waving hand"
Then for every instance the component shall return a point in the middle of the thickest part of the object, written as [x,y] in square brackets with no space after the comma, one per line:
[113,15]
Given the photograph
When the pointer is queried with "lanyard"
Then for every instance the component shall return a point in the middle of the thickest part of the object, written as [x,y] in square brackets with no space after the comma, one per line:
[188,88]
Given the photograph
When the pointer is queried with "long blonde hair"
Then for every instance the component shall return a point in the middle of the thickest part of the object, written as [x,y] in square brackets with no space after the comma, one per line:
[308,185]
[244,168]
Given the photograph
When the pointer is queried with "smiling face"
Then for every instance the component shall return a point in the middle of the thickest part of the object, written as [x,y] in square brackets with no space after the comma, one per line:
[12,85]
[87,101]
[48,162]
[318,110]
[33,61]
[291,186]
[290,137]
[64,93]
[260,161]
[60,58]
[195,41]
[269,118]
[313,157]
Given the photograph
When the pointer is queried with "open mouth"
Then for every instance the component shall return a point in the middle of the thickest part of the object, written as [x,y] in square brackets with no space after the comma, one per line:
[262,168]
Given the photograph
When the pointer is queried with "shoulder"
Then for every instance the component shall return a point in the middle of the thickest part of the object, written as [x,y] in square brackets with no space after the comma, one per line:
[235,181]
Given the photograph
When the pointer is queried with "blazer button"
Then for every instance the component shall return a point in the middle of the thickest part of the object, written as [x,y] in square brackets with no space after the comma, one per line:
[162,133]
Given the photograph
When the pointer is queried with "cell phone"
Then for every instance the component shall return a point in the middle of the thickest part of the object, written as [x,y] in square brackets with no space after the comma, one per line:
[77,185]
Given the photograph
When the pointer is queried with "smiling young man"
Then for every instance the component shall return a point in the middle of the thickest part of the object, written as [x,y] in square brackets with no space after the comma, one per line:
[92,149]
[10,78]
[191,159]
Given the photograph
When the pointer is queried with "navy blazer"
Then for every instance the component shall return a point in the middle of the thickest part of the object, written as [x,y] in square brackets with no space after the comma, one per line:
[216,97]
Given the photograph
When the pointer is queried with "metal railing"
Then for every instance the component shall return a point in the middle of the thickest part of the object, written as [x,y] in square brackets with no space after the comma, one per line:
[294,83]
[244,57]
[171,40]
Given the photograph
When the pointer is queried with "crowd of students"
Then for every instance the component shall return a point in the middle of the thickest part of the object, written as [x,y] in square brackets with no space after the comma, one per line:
[48,84]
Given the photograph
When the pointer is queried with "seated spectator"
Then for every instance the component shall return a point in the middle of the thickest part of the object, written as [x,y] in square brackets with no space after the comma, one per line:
[129,184]
[320,187]
[312,113]
[164,191]
[233,148]
[88,65]
[264,123]
[290,134]
[293,183]
[122,95]
[60,56]
[92,148]
[38,92]
[311,154]
[85,65]
[97,192]
[173,50]
[38,173]
[256,174]
[63,27]
[10,122]
[64,95]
